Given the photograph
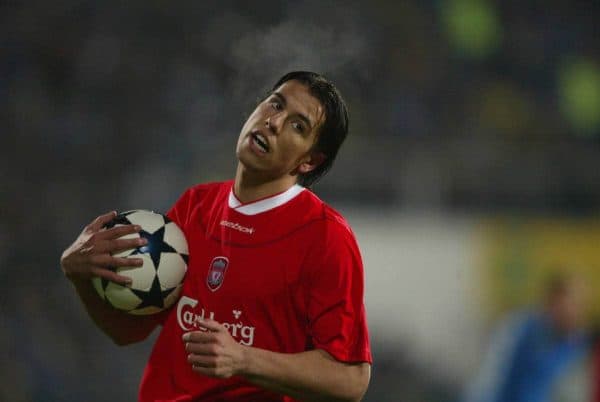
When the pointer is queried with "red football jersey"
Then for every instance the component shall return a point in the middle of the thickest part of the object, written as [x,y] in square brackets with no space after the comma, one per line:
[282,273]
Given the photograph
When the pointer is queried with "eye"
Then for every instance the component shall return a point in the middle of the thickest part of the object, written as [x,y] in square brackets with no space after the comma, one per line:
[299,127]
[276,105]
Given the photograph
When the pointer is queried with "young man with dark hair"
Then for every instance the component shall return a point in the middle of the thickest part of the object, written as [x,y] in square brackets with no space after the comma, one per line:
[272,304]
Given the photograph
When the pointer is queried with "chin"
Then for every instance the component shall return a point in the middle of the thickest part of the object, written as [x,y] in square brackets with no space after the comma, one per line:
[247,162]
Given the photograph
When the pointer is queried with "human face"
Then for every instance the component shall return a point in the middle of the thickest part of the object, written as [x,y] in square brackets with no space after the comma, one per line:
[568,308]
[277,139]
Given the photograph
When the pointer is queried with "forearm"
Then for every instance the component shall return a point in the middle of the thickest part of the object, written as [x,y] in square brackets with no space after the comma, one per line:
[122,328]
[308,376]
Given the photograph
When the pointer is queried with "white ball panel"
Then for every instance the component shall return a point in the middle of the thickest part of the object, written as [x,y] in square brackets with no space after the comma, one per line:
[148,220]
[171,270]
[121,297]
[141,277]
[175,238]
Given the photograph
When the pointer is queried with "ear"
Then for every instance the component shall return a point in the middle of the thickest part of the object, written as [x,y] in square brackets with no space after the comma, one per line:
[313,161]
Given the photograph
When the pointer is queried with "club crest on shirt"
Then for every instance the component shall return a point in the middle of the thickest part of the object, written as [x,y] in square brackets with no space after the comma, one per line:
[216,273]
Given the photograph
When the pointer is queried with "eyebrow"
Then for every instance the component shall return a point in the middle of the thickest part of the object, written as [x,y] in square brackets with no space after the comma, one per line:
[300,115]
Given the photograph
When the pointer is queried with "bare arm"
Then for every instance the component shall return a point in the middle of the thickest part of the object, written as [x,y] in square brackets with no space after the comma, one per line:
[308,376]
[90,255]
[121,327]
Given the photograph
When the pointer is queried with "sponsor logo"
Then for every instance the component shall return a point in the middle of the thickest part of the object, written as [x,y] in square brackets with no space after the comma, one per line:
[237,226]
[190,318]
[216,273]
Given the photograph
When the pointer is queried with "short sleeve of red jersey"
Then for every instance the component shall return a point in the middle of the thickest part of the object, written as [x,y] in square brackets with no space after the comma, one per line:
[335,294]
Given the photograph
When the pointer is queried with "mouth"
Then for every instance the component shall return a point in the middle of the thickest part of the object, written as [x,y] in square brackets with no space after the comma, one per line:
[260,141]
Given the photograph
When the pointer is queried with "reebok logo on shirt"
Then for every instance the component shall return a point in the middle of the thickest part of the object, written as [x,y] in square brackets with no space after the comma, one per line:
[237,226]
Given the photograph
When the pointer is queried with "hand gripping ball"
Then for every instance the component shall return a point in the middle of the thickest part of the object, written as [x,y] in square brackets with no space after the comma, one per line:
[156,284]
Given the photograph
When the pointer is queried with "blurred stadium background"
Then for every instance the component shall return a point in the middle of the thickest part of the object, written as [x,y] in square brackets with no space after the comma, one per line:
[473,163]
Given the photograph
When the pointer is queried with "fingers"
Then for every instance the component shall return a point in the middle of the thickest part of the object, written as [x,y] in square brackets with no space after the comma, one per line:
[115,232]
[198,337]
[102,220]
[106,260]
[212,352]
[212,366]
[208,333]
[203,353]
[209,365]
[118,231]
[202,361]
[119,245]
[110,275]
[210,371]
[202,342]
[90,254]
[208,349]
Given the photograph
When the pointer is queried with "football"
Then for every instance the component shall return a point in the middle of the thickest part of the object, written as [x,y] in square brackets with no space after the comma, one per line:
[156,284]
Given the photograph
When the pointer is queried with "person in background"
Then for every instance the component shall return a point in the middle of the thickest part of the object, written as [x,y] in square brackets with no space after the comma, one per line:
[534,350]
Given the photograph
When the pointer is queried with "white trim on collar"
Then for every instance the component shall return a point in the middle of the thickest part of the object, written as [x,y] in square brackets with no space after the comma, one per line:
[266,204]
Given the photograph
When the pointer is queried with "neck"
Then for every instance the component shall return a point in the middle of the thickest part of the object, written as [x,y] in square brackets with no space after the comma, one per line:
[247,187]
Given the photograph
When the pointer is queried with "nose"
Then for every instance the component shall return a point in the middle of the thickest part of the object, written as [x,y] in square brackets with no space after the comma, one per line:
[273,123]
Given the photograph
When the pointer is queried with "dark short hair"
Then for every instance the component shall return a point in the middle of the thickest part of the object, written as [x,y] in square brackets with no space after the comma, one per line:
[559,283]
[333,130]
